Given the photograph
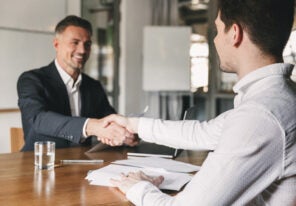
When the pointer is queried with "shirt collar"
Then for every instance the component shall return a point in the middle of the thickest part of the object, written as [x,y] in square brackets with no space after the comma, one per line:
[283,69]
[67,79]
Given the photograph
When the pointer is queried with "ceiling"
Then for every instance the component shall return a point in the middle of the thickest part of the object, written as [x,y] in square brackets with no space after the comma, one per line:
[193,11]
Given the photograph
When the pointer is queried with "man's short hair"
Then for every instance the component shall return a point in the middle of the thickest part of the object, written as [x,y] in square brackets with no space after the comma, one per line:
[268,22]
[73,20]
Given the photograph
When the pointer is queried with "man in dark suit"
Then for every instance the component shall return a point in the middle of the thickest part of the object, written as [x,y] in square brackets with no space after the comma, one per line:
[60,103]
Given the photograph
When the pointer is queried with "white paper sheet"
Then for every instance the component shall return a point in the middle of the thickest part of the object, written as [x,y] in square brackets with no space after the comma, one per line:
[172,180]
[156,162]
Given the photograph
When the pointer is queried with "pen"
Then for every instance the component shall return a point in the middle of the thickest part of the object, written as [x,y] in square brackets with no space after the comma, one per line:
[82,161]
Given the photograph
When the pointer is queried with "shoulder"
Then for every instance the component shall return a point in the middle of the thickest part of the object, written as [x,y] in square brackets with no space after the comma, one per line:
[251,111]
[41,72]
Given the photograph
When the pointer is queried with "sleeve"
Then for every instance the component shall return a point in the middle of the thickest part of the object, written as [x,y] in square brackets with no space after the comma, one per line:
[37,113]
[182,134]
[155,197]
[246,161]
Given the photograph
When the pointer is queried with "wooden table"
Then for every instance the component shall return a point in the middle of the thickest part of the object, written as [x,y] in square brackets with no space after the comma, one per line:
[21,184]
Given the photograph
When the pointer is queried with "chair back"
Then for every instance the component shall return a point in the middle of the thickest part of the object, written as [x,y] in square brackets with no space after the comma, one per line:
[191,113]
[16,139]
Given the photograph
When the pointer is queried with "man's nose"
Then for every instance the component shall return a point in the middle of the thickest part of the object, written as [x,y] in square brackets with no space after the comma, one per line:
[81,48]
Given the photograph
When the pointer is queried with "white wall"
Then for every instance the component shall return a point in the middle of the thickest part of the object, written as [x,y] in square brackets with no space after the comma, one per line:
[8,120]
[26,32]
[135,14]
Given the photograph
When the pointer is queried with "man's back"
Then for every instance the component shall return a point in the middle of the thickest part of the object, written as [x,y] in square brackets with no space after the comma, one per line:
[276,95]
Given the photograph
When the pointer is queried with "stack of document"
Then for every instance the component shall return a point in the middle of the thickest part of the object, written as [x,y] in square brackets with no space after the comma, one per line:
[175,173]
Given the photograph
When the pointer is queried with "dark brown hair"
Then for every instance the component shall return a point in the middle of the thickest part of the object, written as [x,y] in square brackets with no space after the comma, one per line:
[267,22]
[73,20]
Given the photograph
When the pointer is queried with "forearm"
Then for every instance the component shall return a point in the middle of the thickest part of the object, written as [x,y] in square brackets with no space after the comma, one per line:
[57,125]
[178,134]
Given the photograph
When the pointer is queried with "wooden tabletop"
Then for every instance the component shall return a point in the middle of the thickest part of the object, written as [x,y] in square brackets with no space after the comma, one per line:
[22,184]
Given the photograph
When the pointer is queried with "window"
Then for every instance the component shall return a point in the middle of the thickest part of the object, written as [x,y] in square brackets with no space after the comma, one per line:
[290,53]
[199,55]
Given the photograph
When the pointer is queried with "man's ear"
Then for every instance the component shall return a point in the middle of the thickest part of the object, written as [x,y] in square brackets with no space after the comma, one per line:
[55,43]
[237,34]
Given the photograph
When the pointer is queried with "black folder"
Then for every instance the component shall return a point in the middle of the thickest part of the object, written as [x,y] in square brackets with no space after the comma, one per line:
[146,149]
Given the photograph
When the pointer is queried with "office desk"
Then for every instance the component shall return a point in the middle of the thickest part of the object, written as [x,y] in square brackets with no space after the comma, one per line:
[21,184]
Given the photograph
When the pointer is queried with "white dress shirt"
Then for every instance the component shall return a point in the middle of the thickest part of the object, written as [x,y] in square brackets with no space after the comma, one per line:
[73,93]
[254,157]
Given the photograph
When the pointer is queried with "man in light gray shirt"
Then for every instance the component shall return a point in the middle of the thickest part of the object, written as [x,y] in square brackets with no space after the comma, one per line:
[254,145]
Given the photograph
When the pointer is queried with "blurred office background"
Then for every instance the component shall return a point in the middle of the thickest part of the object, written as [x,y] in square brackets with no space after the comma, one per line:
[158,53]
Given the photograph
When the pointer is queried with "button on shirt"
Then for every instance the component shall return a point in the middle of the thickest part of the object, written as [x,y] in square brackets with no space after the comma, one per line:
[254,147]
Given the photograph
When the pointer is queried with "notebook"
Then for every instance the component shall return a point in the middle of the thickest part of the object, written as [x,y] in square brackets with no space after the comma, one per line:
[146,149]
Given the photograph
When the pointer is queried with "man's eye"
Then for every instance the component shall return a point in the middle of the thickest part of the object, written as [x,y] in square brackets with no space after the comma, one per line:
[88,45]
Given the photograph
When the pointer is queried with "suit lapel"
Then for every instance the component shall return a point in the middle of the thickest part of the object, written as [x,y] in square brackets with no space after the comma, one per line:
[59,88]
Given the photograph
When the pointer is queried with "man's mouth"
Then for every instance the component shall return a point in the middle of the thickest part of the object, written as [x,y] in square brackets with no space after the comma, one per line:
[78,58]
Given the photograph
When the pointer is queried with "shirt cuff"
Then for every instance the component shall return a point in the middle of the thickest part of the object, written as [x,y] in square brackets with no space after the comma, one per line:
[84,128]
[136,193]
[145,129]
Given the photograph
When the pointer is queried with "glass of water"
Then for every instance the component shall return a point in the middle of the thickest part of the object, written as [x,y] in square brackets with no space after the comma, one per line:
[44,152]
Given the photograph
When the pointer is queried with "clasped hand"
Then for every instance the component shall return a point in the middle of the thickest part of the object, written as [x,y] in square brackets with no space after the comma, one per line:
[114,130]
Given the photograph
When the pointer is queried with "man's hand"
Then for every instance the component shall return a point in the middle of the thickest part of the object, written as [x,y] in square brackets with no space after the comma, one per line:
[127,181]
[132,140]
[131,126]
[107,131]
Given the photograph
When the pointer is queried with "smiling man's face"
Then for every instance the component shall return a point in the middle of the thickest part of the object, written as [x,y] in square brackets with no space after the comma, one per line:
[73,48]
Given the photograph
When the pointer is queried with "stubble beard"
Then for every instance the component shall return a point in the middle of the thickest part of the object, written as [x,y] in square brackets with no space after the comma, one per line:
[77,67]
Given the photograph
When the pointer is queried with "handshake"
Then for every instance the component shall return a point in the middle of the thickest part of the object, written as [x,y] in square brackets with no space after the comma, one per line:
[114,130]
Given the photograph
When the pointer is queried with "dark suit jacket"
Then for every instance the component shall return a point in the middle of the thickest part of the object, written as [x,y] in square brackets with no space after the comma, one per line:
[45,107]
